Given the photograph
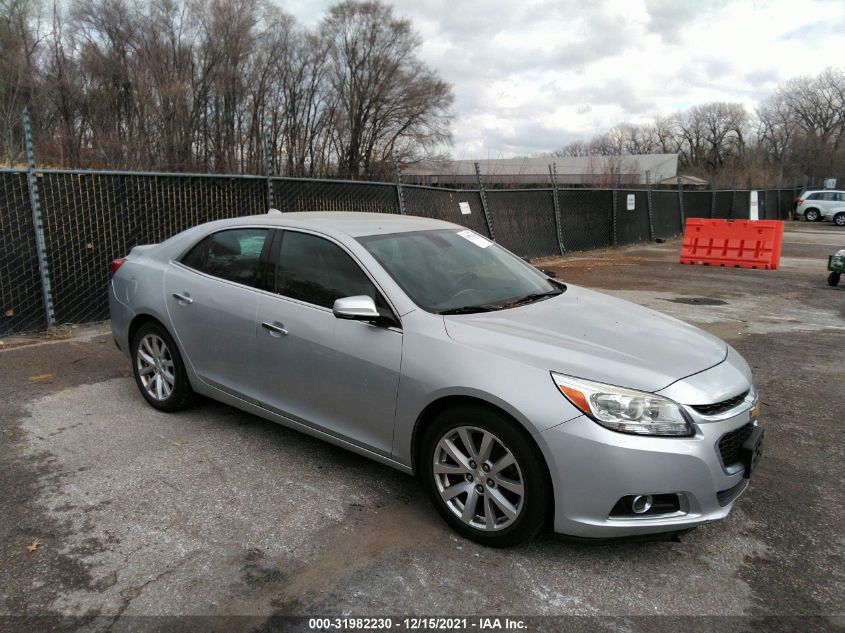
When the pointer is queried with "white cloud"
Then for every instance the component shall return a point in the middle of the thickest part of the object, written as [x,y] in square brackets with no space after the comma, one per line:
[532,75]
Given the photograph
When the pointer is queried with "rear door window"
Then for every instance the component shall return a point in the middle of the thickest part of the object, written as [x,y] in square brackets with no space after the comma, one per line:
[238,255]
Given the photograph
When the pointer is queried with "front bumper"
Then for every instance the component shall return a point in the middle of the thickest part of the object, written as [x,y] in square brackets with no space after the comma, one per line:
[593,468]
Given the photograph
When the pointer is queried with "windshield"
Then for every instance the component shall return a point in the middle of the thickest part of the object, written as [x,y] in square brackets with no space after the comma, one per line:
[454,271]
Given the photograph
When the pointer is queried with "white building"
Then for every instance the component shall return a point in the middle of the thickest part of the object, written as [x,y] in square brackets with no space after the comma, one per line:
[571,170]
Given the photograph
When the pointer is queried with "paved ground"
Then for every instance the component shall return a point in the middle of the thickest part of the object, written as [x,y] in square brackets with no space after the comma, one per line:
[215,512]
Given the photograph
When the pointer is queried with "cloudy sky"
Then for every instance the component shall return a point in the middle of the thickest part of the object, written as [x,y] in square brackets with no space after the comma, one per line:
[532,75]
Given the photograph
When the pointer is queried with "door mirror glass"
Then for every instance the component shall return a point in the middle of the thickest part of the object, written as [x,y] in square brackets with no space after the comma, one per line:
[359,308]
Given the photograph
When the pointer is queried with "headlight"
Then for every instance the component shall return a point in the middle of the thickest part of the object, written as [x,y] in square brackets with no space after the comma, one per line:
[624,410]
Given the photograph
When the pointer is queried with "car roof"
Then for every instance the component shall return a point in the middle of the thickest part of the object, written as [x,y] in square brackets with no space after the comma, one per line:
[352,223]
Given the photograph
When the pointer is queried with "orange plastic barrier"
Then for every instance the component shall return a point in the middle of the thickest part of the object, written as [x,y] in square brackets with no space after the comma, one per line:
[737,243]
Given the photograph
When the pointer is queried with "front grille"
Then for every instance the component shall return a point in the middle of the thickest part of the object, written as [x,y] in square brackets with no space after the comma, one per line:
[720,407]
[731,443]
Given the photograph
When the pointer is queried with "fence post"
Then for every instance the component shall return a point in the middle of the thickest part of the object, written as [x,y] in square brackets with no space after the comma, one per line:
[733,202]
[681,204]
[558,223]
[400,197]
[779,214]
[648,205]
[38,223]
[615,187]
[484,201]
[712,199]
[268,169]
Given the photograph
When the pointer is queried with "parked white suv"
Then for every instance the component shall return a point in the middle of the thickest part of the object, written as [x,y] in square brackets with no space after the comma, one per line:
[825,204]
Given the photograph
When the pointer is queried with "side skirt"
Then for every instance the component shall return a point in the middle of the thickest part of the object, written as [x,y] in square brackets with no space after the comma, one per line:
[221,396]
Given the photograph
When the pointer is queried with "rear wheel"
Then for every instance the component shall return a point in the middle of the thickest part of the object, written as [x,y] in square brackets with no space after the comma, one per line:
[812,215]
[839,218]
[159,370]
[833,279]
[484,475]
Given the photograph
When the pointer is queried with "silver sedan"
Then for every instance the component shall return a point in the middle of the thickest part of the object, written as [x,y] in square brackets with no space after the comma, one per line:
[521,402]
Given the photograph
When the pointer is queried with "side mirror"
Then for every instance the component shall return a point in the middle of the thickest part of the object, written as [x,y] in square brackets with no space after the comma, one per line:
[357,308]
[548,273]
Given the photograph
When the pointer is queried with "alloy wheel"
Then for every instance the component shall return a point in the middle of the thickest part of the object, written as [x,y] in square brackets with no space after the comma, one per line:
[155,367]
[478,478]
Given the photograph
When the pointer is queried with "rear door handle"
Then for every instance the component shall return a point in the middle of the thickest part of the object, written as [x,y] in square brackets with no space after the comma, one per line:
[183,298]
[275,329]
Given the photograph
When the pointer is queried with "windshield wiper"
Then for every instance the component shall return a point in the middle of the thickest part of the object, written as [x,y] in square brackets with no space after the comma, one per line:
[530,298]
[470,309]
[490,307]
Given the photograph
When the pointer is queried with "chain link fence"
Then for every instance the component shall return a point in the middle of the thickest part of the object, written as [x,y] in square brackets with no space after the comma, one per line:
[20,282]
[445,204]
[524,221]
[586,217]
[91,218]
[667,214]
[301,194]
[698,204]
[631,221]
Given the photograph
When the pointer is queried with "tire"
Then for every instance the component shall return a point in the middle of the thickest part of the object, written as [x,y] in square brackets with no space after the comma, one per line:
[839,219]
[812,215]
[498,500]
[833,279]
[154,352]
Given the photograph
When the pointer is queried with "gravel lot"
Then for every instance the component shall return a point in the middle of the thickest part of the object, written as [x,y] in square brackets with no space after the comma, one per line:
[216,512]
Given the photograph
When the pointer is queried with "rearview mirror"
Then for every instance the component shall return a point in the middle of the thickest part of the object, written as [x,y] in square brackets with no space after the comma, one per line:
[358,308]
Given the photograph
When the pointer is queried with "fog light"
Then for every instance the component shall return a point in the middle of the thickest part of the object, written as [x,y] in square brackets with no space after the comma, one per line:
[642,504]
[646,506]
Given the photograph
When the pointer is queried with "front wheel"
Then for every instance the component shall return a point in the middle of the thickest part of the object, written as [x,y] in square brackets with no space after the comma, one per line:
[812,215]
[485,476]
[833,279]
[159,370]
[839,219]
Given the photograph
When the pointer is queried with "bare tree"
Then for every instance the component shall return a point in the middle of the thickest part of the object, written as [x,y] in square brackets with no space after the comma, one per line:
[21,38]
[626,138]
[815,108]
[388,100]
[195,85]
[575,148]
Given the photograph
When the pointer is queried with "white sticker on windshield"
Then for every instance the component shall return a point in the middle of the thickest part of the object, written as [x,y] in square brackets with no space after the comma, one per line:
[475,238]
[464,206]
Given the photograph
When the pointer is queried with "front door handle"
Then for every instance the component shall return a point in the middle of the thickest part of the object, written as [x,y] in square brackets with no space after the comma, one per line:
[275,329]
[182,298]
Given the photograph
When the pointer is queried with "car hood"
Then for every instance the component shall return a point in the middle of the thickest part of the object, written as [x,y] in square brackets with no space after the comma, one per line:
[595,336]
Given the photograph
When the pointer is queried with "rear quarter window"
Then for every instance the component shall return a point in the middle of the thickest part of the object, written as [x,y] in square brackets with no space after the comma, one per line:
[233,255]
[195,258]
